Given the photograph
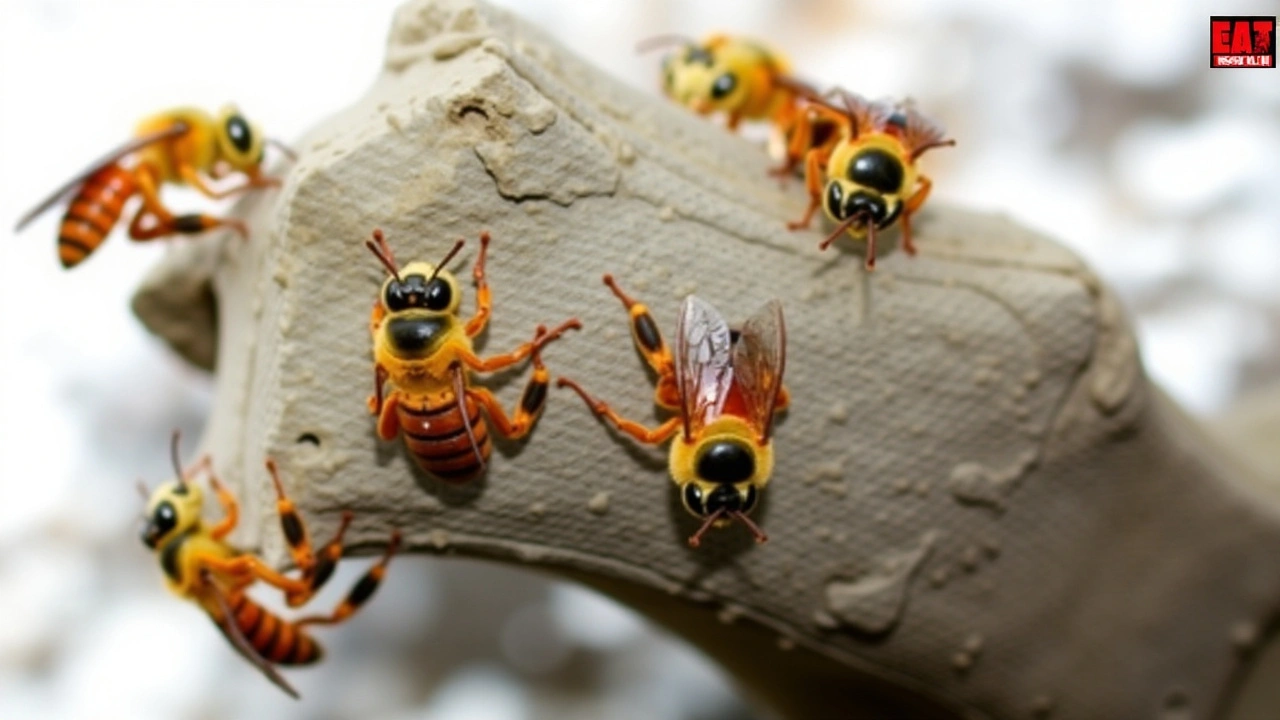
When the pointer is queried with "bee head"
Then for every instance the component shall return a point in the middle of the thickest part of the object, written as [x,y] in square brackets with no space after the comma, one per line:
[173,508]
[240,142]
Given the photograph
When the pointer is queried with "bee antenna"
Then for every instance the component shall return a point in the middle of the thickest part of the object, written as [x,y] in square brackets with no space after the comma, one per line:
[654,42]
[378,246]
[176,458]
[843,226]
[696,539]
[457,247]
[756,532]
[285,149]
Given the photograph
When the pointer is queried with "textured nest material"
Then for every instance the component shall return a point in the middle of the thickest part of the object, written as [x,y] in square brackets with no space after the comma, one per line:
[980,505]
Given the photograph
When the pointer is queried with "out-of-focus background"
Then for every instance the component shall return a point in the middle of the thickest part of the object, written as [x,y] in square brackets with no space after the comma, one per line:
[1096,121]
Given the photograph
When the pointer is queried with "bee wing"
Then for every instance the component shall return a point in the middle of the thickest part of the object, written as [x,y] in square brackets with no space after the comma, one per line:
[237,639]
[759,358]
[74,183]
[865,115]
[704,367]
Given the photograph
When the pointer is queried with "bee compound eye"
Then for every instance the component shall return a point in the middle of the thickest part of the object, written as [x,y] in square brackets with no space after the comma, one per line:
[439,294]
[835,200]
[723,85]
[239,133]
[693,499]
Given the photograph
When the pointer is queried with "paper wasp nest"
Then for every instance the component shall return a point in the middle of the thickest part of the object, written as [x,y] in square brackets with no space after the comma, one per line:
[980,507]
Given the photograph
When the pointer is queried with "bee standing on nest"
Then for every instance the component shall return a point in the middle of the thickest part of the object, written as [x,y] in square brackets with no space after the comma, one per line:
[201,566]
[865,175]
[423,347]
[726,386]
[742,79]
[184,146]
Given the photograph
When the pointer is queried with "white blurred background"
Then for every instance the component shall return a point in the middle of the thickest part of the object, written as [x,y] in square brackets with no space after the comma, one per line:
[1095,121]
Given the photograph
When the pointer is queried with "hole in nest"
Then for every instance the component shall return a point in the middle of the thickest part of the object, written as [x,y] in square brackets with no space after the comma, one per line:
[309,439]
[473,110]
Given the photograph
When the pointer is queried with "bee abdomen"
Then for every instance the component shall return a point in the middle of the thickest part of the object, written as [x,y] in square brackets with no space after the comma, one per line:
[93,212]
[274,638]
[437,438]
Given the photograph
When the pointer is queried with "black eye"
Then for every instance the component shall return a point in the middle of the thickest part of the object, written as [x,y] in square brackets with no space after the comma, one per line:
[238,131]
[726,498]
[835,200]
[164,517]
[749,500]
[726,462]
[723,85]
[439,295]
[397,298]
[693,499]
[876,169]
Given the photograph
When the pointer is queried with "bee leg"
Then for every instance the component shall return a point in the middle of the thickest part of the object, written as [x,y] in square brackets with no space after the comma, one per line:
[360,593]
[165,223]
[230,508]
[531,401]
[498,362]
[484,297]
[388,418]
[326,560]
[813,184]
[783,401]
[245,568]
[192,177]
[913,204]
[654,436]
[645,333]
[799,131]
[375,400]
[376,316]
[295,531]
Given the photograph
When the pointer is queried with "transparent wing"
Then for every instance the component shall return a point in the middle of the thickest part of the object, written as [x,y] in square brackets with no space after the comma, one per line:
[864,114]
[704,369]
[759,357]
[74,183]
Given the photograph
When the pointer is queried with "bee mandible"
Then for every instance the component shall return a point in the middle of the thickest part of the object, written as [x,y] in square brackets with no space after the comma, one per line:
[183,146]
[201,566]
[865,176]
[423,348]
[725,387]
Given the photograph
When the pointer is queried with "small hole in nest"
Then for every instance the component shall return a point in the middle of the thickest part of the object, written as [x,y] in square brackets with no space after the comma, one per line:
[309,438]
[473,110]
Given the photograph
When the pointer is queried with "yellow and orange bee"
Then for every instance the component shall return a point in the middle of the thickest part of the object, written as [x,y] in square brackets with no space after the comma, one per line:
[742,79]
[183,146]
[201,566]
[423,348]
[864,176]
[726,387]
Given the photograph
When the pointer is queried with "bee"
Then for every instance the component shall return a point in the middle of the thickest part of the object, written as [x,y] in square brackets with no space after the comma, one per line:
[741,79]
[865,175]
[201,566]
[423,347]
[726,387]
[183,146]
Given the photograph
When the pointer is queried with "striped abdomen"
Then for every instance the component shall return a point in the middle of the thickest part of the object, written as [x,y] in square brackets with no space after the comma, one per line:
[437,438]
[275,639]
[93,212]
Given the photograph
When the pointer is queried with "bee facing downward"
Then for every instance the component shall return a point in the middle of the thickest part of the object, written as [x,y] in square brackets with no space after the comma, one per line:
[726,386]
[184,146]
[423,347]
[201,566]
[739,78]
[865,175]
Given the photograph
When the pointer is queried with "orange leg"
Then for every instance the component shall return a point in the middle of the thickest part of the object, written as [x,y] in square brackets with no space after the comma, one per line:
[653,436]
[326,560]
[388,420]
[645,333]
[378,314]
[814,161]
[230,507]
[484,297]
[379,380]
[914,203]
[164,223]
[193,178]
[295,531]
[498,362]
[360,593]
[530,407]
[246,568]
